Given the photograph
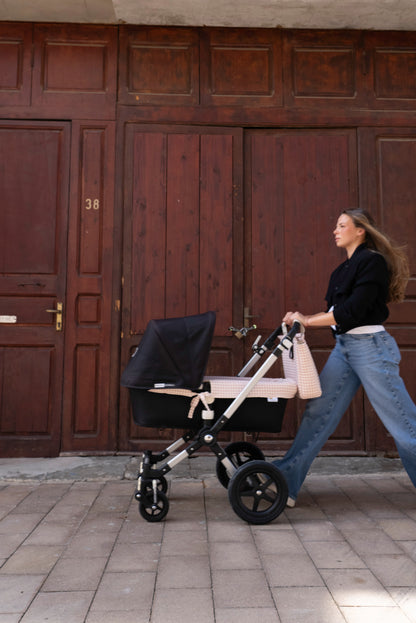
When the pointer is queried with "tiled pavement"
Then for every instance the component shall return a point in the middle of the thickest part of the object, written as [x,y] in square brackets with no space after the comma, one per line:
[76,550]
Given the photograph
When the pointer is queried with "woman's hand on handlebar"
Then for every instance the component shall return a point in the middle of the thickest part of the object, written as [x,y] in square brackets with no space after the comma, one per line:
[291,317]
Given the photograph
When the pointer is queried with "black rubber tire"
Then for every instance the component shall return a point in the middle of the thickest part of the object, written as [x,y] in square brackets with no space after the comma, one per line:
[240,452]
[154,512]
[258,492]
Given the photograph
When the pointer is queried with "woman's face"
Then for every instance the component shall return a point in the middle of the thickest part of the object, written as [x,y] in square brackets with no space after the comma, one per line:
[347,235]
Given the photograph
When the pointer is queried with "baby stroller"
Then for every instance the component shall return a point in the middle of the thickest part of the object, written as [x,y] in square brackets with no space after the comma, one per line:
[168,389]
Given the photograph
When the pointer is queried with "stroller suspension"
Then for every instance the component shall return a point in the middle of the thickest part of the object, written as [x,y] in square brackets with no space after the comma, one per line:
[257,490]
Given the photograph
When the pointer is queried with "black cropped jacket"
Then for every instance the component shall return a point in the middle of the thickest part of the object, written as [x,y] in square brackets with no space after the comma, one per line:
[358,290]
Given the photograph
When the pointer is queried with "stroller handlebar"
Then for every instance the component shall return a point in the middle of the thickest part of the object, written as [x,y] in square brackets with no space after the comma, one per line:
[296,328]
[270,342]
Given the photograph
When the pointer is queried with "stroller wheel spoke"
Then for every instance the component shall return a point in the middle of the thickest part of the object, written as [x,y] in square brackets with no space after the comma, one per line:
[268,497]
[255,506]
[267,483]
[248,493]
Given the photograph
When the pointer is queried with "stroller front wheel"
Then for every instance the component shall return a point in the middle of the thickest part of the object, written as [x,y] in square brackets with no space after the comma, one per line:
[258,492]
[152,510]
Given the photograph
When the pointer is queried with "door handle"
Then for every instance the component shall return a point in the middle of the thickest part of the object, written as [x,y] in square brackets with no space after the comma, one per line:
[59,312]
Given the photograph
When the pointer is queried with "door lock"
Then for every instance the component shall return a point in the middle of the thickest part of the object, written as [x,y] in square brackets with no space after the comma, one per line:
[59,312]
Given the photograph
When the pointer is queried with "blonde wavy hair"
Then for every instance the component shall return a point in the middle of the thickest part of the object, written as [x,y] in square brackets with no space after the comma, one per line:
[394,255]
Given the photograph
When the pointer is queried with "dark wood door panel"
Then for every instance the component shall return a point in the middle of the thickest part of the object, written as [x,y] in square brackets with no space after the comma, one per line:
[33,222]
[15,64]
[179,227]
[182,240]
[159,66]
[75,70]
[297,183]
[88,421]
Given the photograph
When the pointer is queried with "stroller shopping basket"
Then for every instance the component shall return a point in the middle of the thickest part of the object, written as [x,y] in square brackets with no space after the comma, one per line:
[168,389]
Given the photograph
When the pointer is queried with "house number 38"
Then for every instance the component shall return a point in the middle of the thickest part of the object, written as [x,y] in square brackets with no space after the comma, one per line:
[92,204]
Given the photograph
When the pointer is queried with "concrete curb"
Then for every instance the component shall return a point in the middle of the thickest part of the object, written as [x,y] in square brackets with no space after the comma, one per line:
[120,467]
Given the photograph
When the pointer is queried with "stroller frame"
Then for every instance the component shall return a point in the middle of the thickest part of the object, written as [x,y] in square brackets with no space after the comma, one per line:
[257,490]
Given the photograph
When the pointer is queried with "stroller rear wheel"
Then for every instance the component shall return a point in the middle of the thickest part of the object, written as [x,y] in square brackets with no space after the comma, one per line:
[239,452]
[258,492]
[152,510]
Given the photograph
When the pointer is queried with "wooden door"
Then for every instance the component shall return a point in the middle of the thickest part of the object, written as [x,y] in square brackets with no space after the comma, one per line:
[34,168]
[388,190]
[88,414]
[182,243]
[297,183]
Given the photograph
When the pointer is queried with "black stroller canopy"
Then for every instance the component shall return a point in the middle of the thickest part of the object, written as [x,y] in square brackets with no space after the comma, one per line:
[173,352]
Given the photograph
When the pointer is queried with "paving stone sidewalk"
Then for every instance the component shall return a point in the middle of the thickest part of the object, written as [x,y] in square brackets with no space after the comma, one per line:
[74,549]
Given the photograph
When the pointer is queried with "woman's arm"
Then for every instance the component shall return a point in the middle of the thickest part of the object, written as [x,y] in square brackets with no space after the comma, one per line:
[321,319]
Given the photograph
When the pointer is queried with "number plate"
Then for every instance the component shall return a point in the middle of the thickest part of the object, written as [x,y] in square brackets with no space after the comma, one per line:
[8,319]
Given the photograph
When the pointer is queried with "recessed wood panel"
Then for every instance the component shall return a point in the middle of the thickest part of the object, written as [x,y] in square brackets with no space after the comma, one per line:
[159,66]
[242,68]
[84,67]
[15,70]
[23,216]
[10,65]
[390,61]
[323,72]
[74,70]
[85,391]
[88,310]
[143,77]
[395,74]
[26,397]
[241,71]
[322,68]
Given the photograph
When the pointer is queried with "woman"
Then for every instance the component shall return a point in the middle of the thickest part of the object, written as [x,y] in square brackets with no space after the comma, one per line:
[374,274]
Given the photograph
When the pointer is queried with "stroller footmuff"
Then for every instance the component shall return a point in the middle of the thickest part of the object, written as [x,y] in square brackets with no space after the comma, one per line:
[168,389]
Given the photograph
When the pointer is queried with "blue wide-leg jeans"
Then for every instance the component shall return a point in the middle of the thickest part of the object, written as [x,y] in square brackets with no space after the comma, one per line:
[373,361]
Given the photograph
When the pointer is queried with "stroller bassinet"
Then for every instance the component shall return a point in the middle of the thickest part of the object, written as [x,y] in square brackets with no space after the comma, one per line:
[168,389]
